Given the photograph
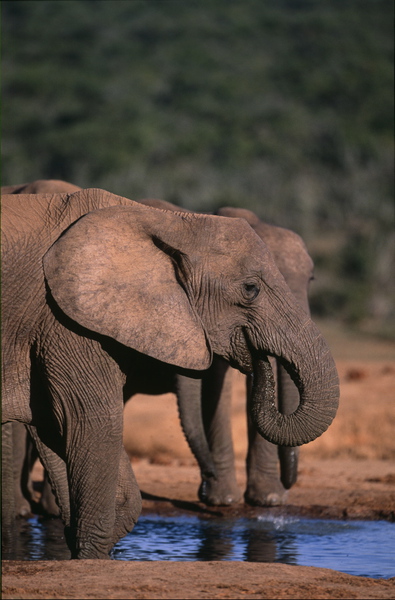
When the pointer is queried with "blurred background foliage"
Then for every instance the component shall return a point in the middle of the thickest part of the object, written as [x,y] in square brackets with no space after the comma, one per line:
[284,107]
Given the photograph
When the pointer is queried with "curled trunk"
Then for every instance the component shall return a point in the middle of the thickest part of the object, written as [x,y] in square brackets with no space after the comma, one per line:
[317,381]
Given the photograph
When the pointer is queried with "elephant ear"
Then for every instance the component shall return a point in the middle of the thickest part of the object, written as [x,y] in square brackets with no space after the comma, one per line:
[111,273]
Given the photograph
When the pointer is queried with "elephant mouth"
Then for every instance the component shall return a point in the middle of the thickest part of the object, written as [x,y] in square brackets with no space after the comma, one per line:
[249,357]
[243,360]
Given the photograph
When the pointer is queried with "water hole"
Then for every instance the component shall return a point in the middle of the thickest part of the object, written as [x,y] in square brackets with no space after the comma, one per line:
[365,548]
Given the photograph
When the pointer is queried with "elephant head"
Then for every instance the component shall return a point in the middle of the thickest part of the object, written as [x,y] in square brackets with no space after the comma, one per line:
[180,287]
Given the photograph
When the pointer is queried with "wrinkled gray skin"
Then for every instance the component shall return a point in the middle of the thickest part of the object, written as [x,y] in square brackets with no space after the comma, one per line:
[210,397]
[91,284]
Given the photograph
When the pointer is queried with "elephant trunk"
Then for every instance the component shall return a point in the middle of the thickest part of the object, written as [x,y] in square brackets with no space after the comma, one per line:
[288,396]
[288,401]
[317,381]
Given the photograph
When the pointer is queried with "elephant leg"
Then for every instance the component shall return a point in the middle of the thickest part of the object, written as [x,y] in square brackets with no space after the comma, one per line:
[44,503]
[22,492]
[55,483]
[189,398]
[128,499]
[264,487]
[8,537]
[79,412]
[48,503]
[31,456]
[216,409]
[93,474]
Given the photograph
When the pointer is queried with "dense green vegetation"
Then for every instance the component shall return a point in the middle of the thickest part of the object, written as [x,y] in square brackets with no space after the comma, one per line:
[281,106]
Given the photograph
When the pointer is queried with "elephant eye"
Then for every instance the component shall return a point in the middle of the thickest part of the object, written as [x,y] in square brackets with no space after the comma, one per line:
[250,291]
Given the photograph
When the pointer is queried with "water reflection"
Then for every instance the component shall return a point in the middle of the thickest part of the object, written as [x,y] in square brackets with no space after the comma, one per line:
[263,541]
[251,540]
[214,542]
[356,547]
[40,539]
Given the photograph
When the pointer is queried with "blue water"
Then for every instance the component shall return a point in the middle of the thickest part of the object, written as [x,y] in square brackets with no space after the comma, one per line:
[364,548]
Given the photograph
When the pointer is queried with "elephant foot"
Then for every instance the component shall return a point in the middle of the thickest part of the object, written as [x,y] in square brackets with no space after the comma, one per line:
[216,493]
[268,495]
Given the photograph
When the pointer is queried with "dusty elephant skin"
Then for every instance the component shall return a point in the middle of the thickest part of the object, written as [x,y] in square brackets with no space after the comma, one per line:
[92,281]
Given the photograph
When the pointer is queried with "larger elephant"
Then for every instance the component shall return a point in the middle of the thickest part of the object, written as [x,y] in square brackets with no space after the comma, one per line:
[204,403]
[92,282]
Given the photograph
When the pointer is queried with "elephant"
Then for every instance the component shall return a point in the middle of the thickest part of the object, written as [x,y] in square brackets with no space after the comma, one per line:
[209,398]
[93,284]
[215,455]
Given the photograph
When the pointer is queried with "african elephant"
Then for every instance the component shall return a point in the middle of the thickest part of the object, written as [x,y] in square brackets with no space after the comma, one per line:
[93,283]
[264,486]
[210,397]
